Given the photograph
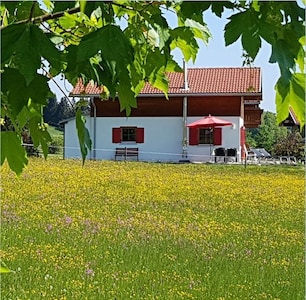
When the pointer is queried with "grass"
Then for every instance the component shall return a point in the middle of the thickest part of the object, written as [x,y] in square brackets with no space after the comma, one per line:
[54,131]
[116,230]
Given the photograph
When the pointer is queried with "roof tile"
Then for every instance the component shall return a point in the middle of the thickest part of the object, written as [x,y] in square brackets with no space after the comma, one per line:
[200,81]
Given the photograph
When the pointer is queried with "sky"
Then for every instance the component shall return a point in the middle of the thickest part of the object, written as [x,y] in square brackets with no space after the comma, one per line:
[215,54]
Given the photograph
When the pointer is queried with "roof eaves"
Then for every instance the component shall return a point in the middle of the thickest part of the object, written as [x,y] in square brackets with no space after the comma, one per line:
[293,116]
[201,94]
[84,95]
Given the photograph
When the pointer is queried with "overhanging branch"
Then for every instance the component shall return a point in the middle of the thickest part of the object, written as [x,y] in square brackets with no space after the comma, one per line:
[47,17]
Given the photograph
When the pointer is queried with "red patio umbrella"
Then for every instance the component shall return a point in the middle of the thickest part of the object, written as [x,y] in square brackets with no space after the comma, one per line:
[209,121]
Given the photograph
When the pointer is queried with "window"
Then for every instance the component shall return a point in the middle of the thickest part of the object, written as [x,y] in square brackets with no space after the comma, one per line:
[128,134]
[205,136]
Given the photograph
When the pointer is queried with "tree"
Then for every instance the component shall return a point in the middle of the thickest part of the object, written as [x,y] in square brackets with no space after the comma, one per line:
[291,145]
[64,110]
[49,112]
[83,39]
[267,134]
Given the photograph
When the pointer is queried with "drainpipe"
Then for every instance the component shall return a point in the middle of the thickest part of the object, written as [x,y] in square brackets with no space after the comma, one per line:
[184,152]
[94,127]
[186,88]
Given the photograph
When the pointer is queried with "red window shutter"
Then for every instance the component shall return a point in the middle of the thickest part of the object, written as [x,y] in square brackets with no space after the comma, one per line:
[193,136]
[139,135]
[242,136]
[116,135]
[217,136]
[242,141]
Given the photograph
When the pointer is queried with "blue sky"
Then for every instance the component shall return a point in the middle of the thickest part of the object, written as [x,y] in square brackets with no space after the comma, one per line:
[215,54]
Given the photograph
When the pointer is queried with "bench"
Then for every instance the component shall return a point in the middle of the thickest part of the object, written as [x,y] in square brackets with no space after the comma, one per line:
[126,152]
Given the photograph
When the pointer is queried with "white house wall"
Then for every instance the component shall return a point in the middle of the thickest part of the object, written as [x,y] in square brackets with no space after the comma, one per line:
[71,141]
[162,138]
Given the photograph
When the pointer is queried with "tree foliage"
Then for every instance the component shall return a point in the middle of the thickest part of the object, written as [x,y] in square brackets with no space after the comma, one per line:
[267,134]
[54,111]
[123,44]
[291,145]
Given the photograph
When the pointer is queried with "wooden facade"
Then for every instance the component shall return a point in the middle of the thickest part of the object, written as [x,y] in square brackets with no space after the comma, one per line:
[196,106]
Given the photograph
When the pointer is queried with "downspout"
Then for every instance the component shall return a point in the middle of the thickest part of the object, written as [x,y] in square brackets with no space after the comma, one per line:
[184,152]
[94,127]
[242,147]
[185,99]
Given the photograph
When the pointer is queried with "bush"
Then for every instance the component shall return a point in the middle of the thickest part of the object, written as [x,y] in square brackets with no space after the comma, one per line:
[56,145]
[28,144]
[292,145]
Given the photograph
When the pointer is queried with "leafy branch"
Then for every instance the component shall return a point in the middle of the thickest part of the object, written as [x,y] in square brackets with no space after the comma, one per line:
[46,17]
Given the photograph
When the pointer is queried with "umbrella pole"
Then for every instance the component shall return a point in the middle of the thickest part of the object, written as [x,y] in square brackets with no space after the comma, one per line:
[210,143]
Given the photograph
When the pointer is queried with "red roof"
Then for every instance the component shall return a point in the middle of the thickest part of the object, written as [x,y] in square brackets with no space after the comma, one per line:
[200,81]
[90,89]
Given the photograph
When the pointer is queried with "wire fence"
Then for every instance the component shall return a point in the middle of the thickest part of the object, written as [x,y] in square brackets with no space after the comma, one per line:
[157,156]
[99,153]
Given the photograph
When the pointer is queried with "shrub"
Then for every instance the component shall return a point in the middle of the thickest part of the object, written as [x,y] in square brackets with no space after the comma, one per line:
[56,145]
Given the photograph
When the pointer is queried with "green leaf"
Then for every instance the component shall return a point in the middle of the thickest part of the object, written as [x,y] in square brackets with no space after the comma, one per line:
[4,268]
[300,60]
[117,53]
[233,30]
[14,86]
[13,152]
[18,45]
[112,43]
[302,40]
[125,92]
[83,134]
[217,7]
[62,5]
[284,57]
[23,46]
[39,134]
[38,89]
[183,38]
[192,10]
[18,93]
[297,96]
[160,81]
[251,43]
[172,66]
[24,8]
[23,117]
[160,26]
[200,31]
[292,94]
[256,5]
[244,24]
[83,5]
[282,88]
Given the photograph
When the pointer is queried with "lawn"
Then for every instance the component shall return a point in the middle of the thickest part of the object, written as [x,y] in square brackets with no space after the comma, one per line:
[133,230]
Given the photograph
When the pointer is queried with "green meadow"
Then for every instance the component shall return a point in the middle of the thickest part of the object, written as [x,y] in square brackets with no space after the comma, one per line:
[134,230]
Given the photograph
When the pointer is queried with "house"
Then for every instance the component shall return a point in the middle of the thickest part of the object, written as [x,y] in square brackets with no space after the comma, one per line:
[292,122]
[158,130]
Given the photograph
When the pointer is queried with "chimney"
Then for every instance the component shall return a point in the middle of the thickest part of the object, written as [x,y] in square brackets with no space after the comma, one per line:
[186,87]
